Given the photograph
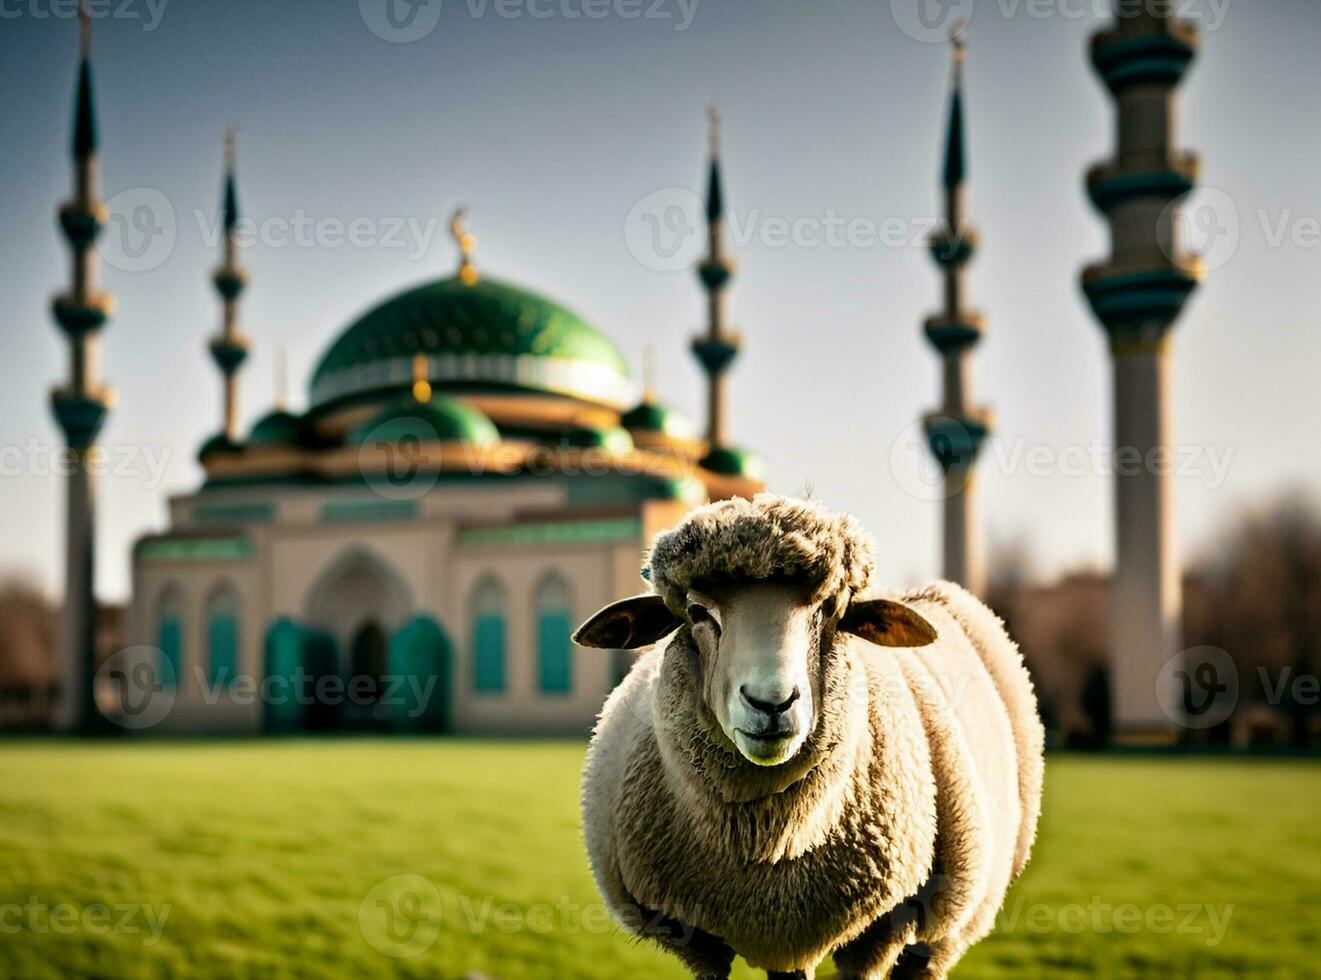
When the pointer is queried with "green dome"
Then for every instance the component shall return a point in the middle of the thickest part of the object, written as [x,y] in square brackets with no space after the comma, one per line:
[651,417]
[218,443]
[609,438]
[728,461]
[487,333]
[440,419]
[277,428]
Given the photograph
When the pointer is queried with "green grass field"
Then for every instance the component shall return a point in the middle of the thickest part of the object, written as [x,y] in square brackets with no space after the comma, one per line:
[283,859]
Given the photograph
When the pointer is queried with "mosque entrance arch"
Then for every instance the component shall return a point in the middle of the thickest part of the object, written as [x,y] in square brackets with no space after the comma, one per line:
[359,602]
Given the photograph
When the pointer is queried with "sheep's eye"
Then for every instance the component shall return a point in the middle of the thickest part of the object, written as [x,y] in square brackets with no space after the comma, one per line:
[700,615]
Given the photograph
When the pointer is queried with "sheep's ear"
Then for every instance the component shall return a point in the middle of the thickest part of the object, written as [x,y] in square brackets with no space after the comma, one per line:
[627,624]
[887,624]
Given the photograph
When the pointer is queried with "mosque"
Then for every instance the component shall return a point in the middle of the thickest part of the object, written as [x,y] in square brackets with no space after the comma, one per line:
[474,475]
[476,470]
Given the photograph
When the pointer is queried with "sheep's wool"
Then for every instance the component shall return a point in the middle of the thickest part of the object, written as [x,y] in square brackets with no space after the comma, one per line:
[898,825]
[763,538]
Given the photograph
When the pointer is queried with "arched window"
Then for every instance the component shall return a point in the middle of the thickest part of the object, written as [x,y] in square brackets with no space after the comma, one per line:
[222,638]
[169,637]
[488,637]
[554,626]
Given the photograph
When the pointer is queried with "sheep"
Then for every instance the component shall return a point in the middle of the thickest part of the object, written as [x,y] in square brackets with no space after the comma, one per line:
[806,768]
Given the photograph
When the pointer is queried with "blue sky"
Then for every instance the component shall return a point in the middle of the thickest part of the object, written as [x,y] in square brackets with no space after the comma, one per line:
[551,121]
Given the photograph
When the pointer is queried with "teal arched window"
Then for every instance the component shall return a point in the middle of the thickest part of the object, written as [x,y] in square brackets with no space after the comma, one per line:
[169,638]
[554,627]
[488,637]
[222,639]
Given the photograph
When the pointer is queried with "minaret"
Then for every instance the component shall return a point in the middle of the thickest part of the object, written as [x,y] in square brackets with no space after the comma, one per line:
[957,430]
[716,349]
[1137,295]
[229,347]
[81,406]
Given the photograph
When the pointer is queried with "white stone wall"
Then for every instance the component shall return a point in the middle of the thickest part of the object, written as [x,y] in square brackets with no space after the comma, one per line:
[423,566]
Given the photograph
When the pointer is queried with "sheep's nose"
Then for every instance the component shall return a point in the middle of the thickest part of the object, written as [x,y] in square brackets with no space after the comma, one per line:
[768,707]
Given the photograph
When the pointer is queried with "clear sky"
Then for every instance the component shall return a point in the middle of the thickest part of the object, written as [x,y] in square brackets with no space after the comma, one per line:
[552,119]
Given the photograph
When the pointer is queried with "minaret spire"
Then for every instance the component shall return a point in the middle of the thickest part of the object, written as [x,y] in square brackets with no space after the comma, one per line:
[82,404]
[1137,295]
[716,349]
[229,347]
[957,430]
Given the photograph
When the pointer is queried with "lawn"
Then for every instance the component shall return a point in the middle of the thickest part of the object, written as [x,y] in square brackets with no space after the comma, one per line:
[435,858]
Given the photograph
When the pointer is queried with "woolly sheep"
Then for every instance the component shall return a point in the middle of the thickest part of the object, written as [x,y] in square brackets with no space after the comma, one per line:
[807,768]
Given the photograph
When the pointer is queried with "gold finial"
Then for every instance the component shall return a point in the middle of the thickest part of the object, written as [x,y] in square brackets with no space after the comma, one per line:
[956,40]
[649,374]
[281,379]
[713,129]
[231,134]
[466,242]
[85,28]
[421,386]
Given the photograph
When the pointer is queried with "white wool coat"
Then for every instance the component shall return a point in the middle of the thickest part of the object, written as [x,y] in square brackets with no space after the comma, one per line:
[917,794]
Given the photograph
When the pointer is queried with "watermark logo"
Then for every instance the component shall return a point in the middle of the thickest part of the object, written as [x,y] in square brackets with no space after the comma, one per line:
[400,917]
[135,688]
[393,458]
[934,21]
[663,231]
[931,21]
[1205,224]
[1198,687]
[915,467]
[41,918]
[147,12]
[400,21]
[141,233]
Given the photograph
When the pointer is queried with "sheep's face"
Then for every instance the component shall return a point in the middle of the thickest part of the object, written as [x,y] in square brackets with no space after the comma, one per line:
[759,646]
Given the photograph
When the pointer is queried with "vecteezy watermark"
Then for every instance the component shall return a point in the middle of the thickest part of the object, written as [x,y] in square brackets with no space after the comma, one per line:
[143,230]
[1210,225]
[402,21]
[395,458]
[138,687]
[1126,918]
[665,230]
[135,687]
[299,229]
[1205,224]
[916,469]
[933,21]
[34,458]
[96,918]
[147,12]
[402,916]
[1199,688]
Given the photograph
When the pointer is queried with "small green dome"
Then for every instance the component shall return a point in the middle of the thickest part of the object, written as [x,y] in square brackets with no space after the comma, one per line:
[277,428]
[609,438]
[648,416]
[218,443]
[484,333]
[728,461]
[441,419]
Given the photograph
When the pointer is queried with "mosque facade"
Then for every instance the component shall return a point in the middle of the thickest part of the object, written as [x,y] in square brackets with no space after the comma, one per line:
[476,472]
